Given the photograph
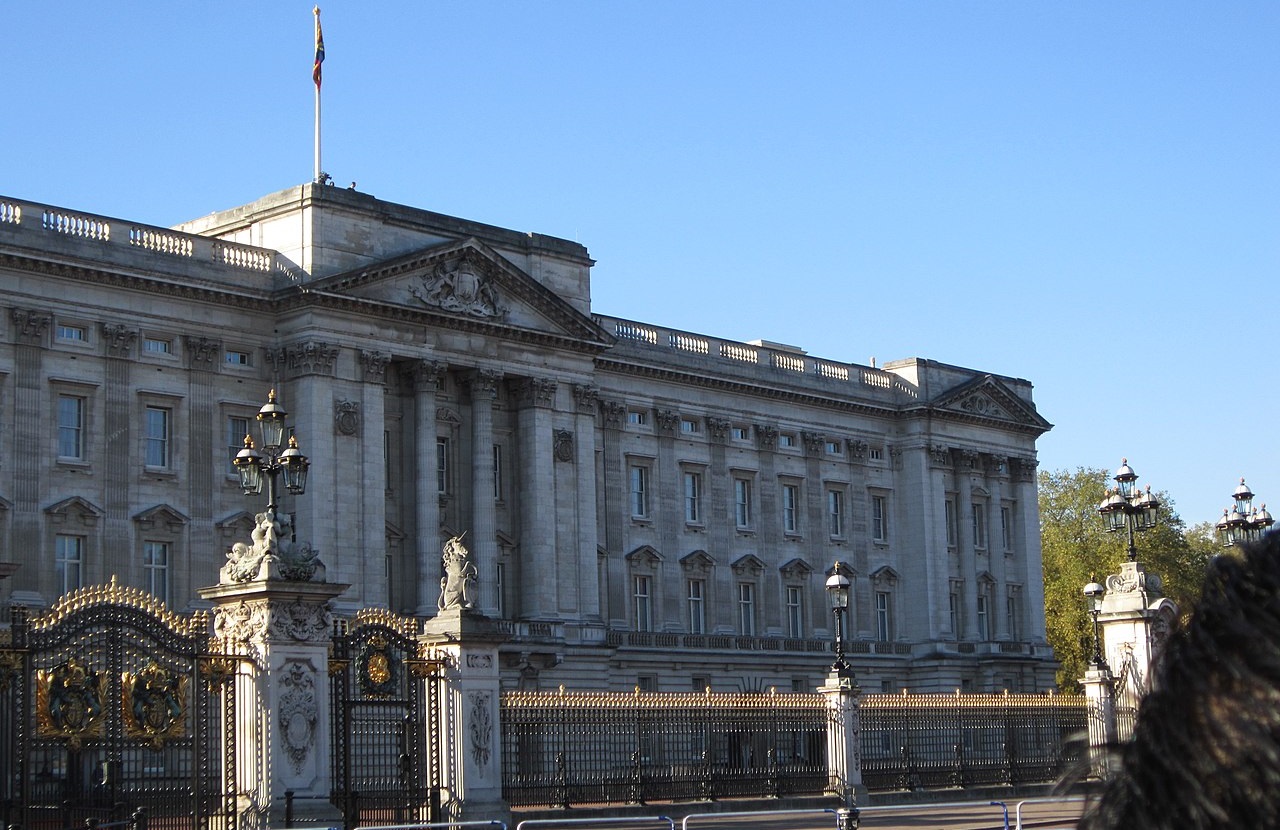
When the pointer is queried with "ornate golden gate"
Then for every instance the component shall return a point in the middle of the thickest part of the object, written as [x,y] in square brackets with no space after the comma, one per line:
[109,704]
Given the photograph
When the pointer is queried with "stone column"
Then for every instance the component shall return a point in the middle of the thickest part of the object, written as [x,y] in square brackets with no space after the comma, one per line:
[844,736]
[472,738]
[540,574]
[966,460]
[283,740]
[30,416]
[1027,548]
[483,385]
[998,470]
[426,382]
[588,542]
[612,416]
[1100,693]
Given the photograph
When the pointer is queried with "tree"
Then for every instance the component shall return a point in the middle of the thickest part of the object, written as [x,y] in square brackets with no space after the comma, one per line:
[1078,549]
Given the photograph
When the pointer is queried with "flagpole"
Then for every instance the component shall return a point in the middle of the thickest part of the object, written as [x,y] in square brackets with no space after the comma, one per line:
[315,74]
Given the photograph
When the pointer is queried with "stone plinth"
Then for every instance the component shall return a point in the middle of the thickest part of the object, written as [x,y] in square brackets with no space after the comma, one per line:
[844,737]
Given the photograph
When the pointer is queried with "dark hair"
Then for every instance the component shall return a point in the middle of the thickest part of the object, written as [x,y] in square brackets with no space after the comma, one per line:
[1205,751]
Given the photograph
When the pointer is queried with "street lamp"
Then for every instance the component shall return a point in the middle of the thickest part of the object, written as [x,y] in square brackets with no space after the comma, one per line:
[254,465]
[1242,522]
[1094,592]
[1126,507]
[838,592]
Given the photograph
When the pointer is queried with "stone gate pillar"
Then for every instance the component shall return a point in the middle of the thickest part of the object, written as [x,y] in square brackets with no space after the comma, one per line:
[1135,620]
[470,733]
[273,606]
[844,736]
[1099,690]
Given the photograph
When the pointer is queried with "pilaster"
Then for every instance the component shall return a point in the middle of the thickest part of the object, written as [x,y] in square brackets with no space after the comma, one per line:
[483,386]
[426,382]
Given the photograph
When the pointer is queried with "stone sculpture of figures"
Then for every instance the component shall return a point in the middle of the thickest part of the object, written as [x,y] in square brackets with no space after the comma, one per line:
[272,539]
[457,586]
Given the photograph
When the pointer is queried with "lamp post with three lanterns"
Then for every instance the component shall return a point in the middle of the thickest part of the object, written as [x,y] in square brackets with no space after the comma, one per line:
[1242,522]
[1126,507]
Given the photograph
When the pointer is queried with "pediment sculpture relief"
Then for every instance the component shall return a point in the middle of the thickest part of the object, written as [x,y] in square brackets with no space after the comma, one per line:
[460,286]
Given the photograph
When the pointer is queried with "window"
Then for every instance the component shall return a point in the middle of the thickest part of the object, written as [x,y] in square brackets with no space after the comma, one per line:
[236,358]
[786,439]
[742,503]
[157,437]
[984,629]
[636,417]
[693,497]
[1011,614]
[644,610]
[497,472]
[647,683]
[979,526]
[68,561]
[699,683]
[879,519]
[875,454]
[697,595]
[740,433]
[70,427]
[950,507]
[953,600]
[639,491]
[790,508]
[747,608]
[835,512]
[155,569]
[500,577]
[689,426]
[157,345]
[442,465]
[237,429]
[69,332]
[795,611]
[835,448]
[884,616]
[1006,528]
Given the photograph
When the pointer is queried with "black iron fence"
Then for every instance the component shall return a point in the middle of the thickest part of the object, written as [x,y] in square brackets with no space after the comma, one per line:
[929,741]
[563,748]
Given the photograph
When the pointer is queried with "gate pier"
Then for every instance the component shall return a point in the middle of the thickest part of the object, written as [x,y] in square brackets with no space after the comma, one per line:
[471,737]
[282,734]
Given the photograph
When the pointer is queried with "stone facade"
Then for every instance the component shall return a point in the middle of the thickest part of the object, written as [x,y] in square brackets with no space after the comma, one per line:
[643,506]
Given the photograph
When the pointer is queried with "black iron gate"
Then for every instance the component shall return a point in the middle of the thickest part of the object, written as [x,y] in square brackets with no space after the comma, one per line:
[384,700]
[111,706]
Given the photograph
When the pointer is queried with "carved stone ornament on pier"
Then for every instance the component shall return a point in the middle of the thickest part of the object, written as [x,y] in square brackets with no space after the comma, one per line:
[272,554]
[458,585]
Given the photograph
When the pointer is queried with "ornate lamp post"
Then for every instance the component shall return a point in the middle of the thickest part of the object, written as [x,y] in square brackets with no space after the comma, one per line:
[1094,592]
[838,592]
[1127,508]
[268,463]
[1242,522]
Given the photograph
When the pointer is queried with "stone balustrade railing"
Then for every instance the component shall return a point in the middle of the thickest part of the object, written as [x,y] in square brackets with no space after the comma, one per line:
[780,360]
[122,240]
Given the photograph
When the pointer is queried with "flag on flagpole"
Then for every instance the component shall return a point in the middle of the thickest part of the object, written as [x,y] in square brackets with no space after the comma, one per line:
[315,72]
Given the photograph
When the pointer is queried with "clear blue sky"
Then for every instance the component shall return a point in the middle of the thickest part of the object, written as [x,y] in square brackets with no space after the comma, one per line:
[1083,194]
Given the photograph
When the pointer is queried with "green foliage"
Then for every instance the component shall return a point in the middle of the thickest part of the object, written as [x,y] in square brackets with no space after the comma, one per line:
[1078,549]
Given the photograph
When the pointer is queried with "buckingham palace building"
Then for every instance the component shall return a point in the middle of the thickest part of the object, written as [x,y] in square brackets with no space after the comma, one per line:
[643,506]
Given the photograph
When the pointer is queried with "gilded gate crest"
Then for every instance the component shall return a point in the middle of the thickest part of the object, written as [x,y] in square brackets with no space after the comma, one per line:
[377,668]
[69,703]
[153,703]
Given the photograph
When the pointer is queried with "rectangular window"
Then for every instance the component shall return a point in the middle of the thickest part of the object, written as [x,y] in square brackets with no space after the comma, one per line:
[740,433]
[742,503]
[155,569]
[795,611]
[1011,615]
[157,446]
[879,519]
[235,358]
[500,577]
[875,454]
[647,683]
[697,595]
[237,429]
[639,491]
[693,497]
[835,512]
[983,629]
[637,417]
[644,610]
[66,332]
[497,472]
[790,508]
[156,345]
[979,526]
[786,439]
[747,608]
[442,465]
[835,448]
[954,604]
[1006,528]
[950,507]
[689,426]
[884,618]
[70,427]
[68,562]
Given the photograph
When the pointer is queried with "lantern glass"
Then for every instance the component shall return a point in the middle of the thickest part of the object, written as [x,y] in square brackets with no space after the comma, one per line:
[838,589]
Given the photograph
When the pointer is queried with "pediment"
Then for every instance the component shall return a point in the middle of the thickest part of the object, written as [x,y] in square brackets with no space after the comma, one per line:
[470,283]
[987,398]
[162,516]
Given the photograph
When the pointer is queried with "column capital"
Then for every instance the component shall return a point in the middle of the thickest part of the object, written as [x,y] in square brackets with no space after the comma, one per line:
[614,413]
[587,398]
[119,339]
[539,392]
[202,353]
[483,383]
[718,428]
[667,420]
[766,436]
[374,364]
[427,375]
[30,325]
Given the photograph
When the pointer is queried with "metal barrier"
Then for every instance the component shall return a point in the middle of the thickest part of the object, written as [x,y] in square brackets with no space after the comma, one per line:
[559,822]
[494,823]
[1064,800]
[839,814]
